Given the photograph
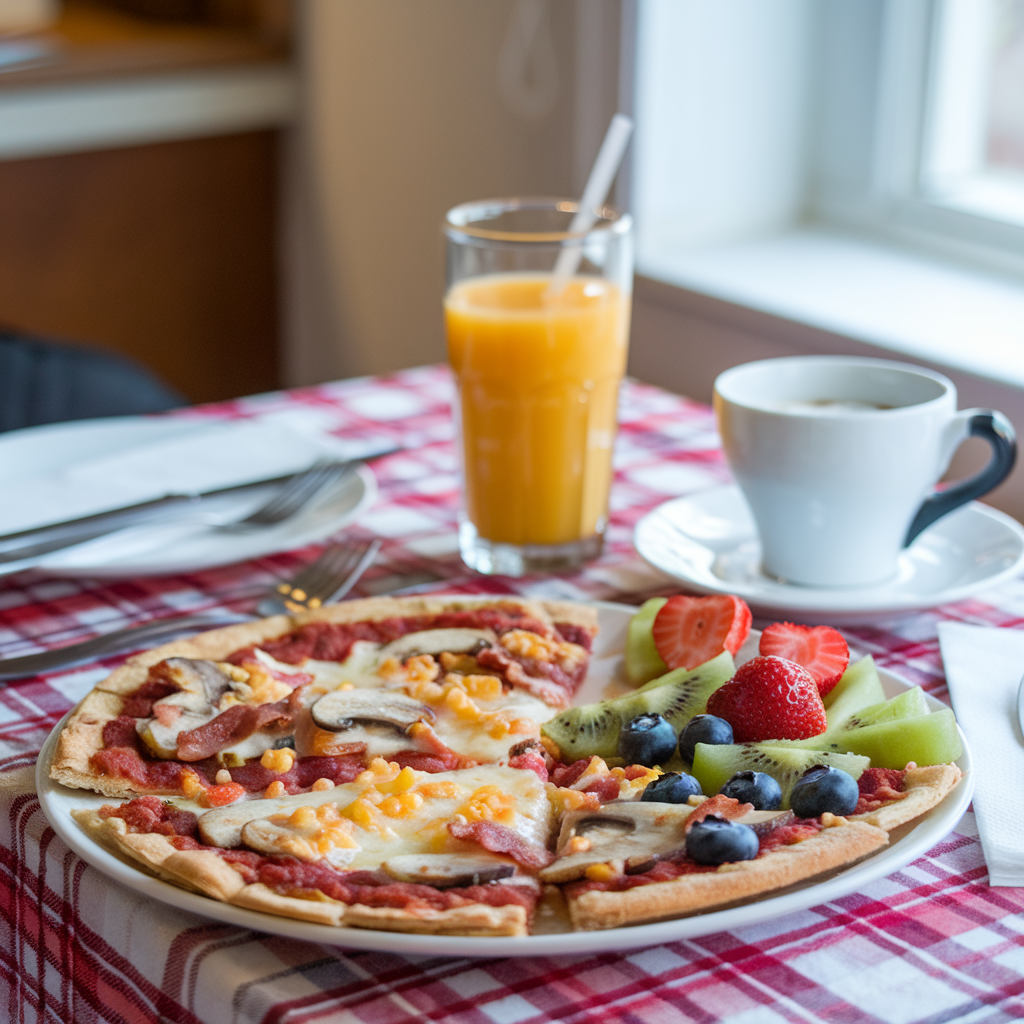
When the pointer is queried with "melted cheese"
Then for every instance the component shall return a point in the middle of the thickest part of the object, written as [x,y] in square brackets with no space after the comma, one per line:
[371,821]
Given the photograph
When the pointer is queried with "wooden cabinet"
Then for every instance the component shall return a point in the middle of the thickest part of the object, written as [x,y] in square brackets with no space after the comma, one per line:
[164,251]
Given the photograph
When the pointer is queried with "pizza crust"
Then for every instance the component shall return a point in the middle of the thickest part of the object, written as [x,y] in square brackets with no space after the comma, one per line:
[833,847]
[923,788]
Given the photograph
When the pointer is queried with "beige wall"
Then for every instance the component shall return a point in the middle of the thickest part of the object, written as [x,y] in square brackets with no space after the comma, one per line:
[404,118]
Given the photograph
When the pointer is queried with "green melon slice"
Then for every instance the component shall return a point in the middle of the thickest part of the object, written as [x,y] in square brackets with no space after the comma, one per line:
[925,739]
[642,659]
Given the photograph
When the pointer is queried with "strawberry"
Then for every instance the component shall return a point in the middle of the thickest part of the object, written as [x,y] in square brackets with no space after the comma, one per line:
[770,698]
[819,649]
[691,630]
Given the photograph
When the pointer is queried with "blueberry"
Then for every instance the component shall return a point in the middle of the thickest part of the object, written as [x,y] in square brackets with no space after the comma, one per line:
[716,841]
[703,729]
[824,788]
[647,739]
[755,788]
[672,788]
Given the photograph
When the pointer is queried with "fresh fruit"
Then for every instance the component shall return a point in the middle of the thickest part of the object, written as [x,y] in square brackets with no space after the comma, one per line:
[722,668]
[925,739]
[593,729]
[717,841]
[648,739]
[757,788]
[689,631]
[858,688]
[908,704]
[671,788]
[824,788]
[703,729]
[770,698]
[642,659]
[819,649]
[713,766]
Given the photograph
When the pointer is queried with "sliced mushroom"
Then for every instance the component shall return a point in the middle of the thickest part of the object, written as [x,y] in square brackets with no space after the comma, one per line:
[341,709]
[199,676]
[278,839]
[447,870]
[223,826]
[636,834]
[162,740]
[456,640]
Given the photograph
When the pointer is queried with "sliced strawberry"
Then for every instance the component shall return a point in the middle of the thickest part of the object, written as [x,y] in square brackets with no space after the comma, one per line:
[770,698]
[819,649]
[691,630]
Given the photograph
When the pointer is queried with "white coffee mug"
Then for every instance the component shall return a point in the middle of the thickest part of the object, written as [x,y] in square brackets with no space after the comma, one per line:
[838,459]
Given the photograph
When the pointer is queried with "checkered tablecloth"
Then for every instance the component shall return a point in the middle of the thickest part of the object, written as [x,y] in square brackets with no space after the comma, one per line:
[932,943]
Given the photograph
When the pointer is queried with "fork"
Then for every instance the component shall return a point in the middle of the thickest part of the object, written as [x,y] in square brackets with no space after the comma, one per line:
[293,496]
[327,579]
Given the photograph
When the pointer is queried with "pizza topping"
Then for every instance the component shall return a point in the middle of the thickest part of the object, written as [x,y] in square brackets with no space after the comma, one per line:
[447,870]
[149,814]
[500,839]
[436,641]
[635,834]
[718,840]
[279,760]
[341,709]
[879,786]
[230,727]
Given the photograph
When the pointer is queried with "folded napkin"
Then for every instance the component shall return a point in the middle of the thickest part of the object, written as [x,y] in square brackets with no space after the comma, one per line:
[176,455]
[984,667]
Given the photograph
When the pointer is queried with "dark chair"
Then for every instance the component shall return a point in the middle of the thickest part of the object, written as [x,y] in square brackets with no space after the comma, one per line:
[50,382]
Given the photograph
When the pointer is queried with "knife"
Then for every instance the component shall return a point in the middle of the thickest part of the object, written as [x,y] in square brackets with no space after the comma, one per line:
[42,540]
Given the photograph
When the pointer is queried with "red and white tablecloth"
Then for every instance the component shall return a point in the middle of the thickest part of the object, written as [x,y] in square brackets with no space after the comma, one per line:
[932,943]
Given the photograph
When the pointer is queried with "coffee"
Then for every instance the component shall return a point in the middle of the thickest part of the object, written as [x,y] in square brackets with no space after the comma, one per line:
[828,405]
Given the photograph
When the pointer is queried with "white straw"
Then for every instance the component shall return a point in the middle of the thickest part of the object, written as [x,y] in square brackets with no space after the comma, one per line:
[602,174]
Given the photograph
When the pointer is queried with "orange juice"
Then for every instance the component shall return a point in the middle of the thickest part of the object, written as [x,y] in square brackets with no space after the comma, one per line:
[538,382]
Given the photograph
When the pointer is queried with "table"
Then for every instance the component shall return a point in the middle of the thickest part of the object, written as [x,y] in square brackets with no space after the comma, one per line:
[931,943]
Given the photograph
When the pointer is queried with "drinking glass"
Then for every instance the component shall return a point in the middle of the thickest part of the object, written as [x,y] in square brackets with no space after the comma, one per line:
[537,363]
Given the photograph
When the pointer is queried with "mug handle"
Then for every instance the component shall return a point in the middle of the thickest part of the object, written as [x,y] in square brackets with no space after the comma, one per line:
[995,428]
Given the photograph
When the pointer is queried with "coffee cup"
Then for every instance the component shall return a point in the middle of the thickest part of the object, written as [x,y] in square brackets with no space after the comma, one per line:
[838,459]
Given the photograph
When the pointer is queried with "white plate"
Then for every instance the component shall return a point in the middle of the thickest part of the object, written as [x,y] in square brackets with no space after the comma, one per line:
[164,549]
[602,681]
[708,541]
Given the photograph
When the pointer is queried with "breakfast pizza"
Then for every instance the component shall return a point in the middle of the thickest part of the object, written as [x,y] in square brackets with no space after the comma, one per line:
[418,765]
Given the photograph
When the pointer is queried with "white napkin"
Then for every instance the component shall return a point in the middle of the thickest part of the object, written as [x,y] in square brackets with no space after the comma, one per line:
[983,669]
[190,456]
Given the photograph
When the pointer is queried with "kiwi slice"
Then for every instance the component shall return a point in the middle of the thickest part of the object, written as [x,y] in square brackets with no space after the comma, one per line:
[715,764]
[643,662]
[593,729]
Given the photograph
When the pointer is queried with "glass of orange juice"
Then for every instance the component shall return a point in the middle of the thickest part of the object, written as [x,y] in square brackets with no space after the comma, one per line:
[537,364]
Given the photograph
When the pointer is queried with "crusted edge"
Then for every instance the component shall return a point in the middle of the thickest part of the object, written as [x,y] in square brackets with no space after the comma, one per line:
[833,847]
[923,789]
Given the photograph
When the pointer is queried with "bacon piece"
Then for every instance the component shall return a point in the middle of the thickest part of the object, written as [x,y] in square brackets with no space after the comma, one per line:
[606,787]
[573,634]
[421,761]
[232,726]
[723,806]
[499,839]
[530,760]
[565,775]
[556,693]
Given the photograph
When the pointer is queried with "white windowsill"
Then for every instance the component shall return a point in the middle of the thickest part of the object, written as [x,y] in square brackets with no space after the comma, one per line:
[896,299]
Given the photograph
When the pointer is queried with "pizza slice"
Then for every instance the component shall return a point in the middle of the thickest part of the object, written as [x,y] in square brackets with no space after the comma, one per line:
[630,862]
[892,797]
[274,706]
[396,849]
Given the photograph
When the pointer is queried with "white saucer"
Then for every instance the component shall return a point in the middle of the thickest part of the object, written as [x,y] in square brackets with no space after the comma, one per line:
[708,542]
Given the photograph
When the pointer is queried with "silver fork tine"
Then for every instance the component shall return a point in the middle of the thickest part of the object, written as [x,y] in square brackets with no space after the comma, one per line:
[330,577]
[296,493]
